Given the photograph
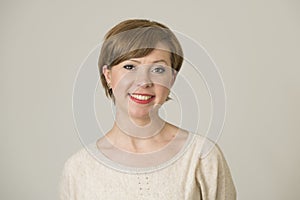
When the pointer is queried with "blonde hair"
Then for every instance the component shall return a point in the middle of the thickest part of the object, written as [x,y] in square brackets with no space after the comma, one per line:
[136,38]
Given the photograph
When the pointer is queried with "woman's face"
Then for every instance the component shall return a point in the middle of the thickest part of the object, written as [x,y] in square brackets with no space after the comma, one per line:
[139,84]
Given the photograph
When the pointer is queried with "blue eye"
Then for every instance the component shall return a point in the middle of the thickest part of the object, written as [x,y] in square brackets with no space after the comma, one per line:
[159,70]
[128,67]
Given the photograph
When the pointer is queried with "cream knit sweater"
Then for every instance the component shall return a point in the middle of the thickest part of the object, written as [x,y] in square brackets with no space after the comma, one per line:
[193,175]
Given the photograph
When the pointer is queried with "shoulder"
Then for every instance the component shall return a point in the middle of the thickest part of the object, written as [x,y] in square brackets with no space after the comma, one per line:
[77,157]
[206,148]
[78,161]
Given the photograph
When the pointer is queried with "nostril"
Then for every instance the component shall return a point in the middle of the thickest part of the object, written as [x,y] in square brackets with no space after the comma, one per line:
[146,84]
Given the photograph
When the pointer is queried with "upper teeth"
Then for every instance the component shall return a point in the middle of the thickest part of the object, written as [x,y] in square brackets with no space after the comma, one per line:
[141,97]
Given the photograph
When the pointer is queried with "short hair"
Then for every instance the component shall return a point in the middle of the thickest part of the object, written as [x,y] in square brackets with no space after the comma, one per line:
[136,38]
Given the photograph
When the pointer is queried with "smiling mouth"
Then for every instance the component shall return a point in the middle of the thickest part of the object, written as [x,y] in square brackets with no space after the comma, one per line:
[141,98]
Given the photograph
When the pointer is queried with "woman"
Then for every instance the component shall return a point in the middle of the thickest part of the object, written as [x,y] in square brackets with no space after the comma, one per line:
[143,156]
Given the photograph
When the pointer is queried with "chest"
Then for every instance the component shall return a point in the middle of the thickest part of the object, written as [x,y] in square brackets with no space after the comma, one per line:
[172,183]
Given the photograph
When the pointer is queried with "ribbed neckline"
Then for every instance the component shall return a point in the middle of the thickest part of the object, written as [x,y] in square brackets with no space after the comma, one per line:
[99,156]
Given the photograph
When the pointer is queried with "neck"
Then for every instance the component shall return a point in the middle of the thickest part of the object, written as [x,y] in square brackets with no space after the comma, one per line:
[142,128]
[123,140]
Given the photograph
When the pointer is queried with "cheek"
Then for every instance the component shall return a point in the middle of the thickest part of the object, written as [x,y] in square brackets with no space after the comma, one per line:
[121,83]
[163,80]
[162,91]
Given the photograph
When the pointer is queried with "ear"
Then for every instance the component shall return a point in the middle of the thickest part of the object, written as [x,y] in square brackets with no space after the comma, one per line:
[107,73]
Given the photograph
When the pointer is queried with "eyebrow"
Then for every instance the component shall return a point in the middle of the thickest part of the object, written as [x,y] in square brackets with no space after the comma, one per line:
[156,61]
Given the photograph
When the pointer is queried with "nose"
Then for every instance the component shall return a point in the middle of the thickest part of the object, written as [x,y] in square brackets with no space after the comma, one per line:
[143,79]
[145,84]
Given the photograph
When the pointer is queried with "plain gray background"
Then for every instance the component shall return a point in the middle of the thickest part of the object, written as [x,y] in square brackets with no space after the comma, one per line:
[255,44]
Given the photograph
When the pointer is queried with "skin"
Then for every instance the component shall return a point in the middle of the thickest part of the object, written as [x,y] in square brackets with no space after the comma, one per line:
[141,75]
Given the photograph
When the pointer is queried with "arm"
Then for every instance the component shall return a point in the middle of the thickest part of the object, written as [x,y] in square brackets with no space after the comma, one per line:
[66,185]
[214,178]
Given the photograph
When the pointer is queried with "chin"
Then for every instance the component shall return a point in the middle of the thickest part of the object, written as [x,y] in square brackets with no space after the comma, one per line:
[140,114]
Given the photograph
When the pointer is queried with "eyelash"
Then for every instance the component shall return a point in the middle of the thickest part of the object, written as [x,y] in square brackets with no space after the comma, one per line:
[160,68]
[128,66]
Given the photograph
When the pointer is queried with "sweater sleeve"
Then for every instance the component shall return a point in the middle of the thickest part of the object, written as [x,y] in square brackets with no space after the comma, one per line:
[66,185]
[213,176]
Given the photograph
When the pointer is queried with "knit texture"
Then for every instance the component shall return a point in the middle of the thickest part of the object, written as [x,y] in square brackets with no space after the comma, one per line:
[194,176]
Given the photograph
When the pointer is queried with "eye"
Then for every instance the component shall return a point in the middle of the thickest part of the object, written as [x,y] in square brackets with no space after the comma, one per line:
[129,67]
[158,70]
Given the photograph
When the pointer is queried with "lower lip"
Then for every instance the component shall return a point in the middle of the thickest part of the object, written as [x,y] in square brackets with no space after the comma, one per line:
[141,101]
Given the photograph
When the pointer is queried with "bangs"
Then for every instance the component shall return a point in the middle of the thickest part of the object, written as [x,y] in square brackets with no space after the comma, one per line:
[137,53]
[135,43]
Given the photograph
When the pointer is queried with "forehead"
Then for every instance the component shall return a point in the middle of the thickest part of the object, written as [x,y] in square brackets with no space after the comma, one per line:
[155,56]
